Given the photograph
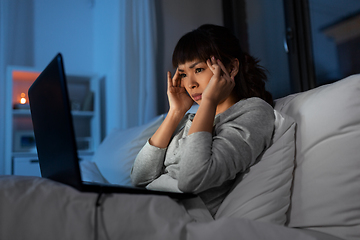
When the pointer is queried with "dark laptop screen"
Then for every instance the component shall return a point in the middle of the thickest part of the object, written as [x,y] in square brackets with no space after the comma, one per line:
[53,128]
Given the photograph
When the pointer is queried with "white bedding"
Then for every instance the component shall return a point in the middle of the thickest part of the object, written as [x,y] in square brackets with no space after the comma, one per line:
[37,208]
[262,193]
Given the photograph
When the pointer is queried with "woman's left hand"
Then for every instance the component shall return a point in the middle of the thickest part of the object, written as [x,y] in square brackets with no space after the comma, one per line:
[221,83]
[217,91]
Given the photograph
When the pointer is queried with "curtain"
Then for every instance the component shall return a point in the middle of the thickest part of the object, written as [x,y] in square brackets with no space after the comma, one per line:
[125,51]
[137,62]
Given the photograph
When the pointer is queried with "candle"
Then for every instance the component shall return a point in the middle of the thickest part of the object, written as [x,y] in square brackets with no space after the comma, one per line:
[22,99]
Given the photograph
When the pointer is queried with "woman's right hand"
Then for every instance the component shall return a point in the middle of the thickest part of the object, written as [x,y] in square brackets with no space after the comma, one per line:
[180,103]
[179,99]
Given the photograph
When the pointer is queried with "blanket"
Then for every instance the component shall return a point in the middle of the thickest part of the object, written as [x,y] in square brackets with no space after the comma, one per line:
[38,208]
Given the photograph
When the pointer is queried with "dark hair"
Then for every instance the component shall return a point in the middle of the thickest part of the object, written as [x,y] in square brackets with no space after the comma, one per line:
[211,40]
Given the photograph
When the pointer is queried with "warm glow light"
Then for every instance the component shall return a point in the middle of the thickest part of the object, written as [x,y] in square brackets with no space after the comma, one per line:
[22,99]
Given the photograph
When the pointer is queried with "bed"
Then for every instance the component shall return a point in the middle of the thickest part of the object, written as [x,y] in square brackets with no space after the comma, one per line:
[306,186]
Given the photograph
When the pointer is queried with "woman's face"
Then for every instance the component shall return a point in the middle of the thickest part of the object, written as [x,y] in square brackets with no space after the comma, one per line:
[195,76]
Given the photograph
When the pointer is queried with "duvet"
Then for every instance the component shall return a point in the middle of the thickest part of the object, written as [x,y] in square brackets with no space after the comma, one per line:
[38,208]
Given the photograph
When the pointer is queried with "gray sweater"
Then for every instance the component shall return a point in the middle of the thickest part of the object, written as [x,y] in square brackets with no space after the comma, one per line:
[205,163]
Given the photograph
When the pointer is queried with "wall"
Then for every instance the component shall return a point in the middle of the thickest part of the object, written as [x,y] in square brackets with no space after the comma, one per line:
[67,27]
[106,38]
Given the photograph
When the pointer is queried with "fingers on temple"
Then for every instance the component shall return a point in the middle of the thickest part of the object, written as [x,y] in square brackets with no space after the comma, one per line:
[176,78]
[169,78]
[211,62]
[208,62]
[223,68]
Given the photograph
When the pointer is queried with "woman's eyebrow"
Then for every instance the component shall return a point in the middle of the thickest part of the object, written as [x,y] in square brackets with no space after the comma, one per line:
[194,64]
[191,66]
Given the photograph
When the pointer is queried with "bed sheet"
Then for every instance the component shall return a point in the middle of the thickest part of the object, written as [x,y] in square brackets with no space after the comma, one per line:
[38,208]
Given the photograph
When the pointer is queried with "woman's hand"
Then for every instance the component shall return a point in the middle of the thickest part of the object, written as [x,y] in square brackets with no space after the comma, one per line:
[179,99]
[217,91]
[221,83]
[180,103]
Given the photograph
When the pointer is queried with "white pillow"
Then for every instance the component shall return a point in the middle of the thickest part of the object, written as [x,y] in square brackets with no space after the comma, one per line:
[326,191]
[90,172]
[116,154]
[264,192]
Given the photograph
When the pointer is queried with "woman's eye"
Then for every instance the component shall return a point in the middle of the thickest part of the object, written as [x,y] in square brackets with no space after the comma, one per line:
[198,70]
[182,75]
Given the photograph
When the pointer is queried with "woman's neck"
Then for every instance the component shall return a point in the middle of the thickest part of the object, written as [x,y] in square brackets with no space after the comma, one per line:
[227,103]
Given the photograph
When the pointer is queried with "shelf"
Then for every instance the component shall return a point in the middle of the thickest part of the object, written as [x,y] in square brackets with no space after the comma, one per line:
[27,164]
[25,154]
[26,112]
[21,112]
[83,92]
[34,153]
[82,113]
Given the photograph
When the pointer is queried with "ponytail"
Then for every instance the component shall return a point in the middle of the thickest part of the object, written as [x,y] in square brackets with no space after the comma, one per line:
[252,78]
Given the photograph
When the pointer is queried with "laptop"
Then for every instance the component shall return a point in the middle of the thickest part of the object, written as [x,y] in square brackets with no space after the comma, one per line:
[55,136]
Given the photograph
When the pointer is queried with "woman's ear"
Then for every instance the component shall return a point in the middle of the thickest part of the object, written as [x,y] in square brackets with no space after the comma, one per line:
[234,68]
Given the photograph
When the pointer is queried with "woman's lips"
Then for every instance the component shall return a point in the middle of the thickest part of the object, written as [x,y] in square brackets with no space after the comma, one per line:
[196,96]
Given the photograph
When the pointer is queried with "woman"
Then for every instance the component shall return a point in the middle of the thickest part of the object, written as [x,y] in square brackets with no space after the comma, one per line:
[231,128]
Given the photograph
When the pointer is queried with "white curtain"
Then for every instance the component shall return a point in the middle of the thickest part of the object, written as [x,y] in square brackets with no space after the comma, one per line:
[125,50]
[137,62]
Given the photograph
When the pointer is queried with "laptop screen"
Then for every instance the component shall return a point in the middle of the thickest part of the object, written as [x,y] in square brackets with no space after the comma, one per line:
[53,125]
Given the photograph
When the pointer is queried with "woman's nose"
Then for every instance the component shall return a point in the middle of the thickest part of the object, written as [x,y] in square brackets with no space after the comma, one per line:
[192,83]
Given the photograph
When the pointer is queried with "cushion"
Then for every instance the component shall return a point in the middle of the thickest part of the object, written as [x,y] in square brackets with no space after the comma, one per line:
[116,154]
[264,192]
[90,172]
[326,190]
